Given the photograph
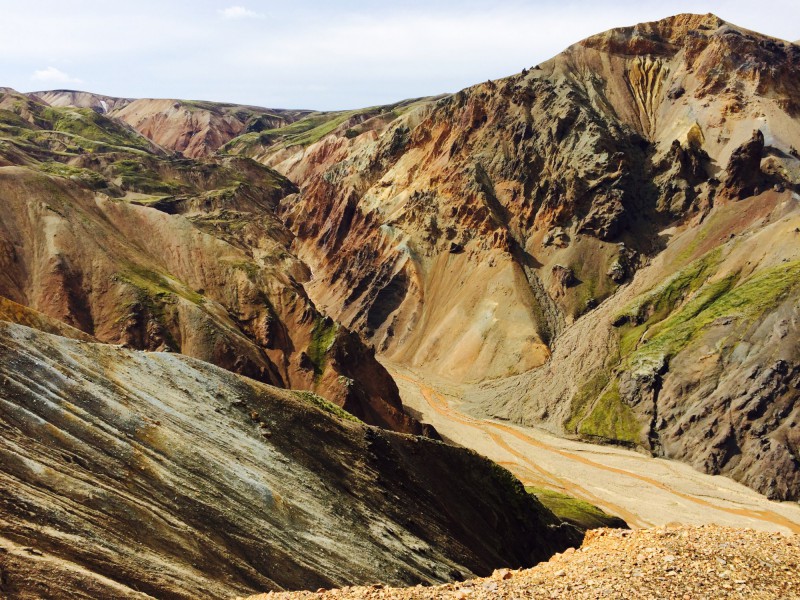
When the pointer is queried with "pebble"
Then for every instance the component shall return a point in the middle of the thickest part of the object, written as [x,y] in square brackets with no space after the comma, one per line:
[671,562]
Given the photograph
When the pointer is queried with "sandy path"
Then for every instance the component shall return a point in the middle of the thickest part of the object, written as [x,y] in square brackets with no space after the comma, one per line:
[644,491]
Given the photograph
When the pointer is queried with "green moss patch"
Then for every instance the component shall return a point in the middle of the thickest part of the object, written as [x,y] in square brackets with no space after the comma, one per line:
[667,320]
[743,302]
[157,285]
[322,338]
[85,177]
[136,175]
[610,418]
[580,513]
[666,338]
[315,126]
[583,399]
[327,406]
[660,301]
[11,122]
[93,126]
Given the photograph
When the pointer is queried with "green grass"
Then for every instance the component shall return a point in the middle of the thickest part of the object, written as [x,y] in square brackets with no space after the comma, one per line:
[584,398]
[303,132]
[312,128]
[580,513]
[629,338]
[744,301]
[611,418]
[88,124]
[664,339]
[322,338]
[157,285]
[154,292]
[316,132]
[674,315]
[327,406]
[710,226]
[135,175]
[660,301]
[87,177]
[11,121]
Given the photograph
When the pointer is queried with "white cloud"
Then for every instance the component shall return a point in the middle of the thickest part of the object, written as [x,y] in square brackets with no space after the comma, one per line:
[239,12]
[53,75]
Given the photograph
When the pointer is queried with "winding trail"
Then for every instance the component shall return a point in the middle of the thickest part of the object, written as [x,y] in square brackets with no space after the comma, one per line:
[644,491]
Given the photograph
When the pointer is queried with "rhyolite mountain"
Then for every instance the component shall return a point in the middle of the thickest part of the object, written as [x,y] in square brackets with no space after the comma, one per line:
[609,239]
[607,244]
[189,127]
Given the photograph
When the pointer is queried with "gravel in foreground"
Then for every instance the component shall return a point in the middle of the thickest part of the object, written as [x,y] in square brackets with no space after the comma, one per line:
[684,563]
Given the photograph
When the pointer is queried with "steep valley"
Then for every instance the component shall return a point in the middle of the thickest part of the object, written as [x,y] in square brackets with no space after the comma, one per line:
[646,492]
[246,349]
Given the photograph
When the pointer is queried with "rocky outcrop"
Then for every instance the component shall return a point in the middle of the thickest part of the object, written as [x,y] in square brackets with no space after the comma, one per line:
[744,177]
[739,416]
[148,475]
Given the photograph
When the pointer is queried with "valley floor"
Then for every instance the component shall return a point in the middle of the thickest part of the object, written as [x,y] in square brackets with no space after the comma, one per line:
[645,491]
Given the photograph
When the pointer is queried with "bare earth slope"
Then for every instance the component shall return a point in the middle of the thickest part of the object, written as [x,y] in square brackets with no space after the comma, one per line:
[101,230]
[617,223]
[706,562]
[148,475]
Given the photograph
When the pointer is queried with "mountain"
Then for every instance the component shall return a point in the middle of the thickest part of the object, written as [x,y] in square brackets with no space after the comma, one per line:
[607,239]
[110,234]
[77,99]
[150,475]
[192,128]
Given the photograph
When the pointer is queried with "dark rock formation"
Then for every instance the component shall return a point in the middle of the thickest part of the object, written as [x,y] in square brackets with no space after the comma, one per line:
[744,169]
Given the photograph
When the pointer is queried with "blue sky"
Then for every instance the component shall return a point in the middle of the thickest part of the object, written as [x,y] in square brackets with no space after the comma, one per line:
[314,54]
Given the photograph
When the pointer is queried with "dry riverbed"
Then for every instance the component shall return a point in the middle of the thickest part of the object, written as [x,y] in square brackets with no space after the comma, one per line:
[645,491]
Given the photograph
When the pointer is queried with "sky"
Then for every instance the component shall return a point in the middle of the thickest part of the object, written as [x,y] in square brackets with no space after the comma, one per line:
[316,54]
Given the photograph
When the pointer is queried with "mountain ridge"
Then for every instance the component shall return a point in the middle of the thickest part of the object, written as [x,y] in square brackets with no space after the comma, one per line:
[192,128]
[408,213]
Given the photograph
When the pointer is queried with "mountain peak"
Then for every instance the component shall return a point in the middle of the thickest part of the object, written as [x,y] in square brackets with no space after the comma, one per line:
[661,37]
